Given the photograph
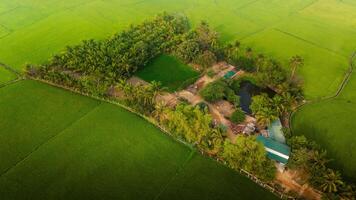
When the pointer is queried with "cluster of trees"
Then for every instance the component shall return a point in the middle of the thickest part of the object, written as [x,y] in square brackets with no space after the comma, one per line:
[96,66]
[236,55]
[198,46]
[248,154]
[309,158]
[272,75]
[107,61]
[194,125]
[268,72]
[267,109]
[141,98]
[222,89]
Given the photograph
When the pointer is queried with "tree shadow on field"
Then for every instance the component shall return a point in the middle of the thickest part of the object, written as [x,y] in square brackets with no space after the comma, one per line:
[325,141]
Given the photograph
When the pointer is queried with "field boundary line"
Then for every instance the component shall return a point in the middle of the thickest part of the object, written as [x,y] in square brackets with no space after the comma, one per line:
[178,171]
[10,82]
[309,42]
[308,5]
[17,78]
[246,4]
[341,87]
[48,140]
[10,69]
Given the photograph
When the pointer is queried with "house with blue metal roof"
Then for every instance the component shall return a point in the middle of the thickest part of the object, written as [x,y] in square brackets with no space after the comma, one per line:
[275,150]
[275,143]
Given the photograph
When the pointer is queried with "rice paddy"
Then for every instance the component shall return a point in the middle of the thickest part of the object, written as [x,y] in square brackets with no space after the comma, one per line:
[169,71]
[66,146]
[321,31]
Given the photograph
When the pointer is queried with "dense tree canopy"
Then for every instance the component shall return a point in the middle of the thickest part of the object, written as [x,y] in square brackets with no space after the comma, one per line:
[220,90]
[193,125]
[309,158]
[95,65]
[142,98]
[250,155]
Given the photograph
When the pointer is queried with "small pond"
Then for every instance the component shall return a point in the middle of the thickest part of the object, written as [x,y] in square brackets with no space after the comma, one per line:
[247,91]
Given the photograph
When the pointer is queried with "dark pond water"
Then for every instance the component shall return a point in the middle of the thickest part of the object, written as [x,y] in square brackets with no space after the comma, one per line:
[247,91]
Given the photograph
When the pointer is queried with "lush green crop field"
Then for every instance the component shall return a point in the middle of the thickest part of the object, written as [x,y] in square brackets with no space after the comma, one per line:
[58,145]
[34,30]
[171,72]
[322,31]
[30,114]
[6,76]
[331,123]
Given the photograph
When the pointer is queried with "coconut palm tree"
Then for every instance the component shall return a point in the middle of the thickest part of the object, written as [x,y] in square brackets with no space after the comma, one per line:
[248,52]
[332,181]
[318,160]
[259,61]
[294,63]
[265,116]
[159,111]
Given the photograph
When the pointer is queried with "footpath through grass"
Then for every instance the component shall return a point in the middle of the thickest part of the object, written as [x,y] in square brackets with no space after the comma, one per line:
[168,70]
[59,145]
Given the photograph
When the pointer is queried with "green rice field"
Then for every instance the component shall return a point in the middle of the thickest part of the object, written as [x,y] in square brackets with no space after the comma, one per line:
[323,32]
[167,70]
[6,76]
[331,123]
[58,145]
[32,31]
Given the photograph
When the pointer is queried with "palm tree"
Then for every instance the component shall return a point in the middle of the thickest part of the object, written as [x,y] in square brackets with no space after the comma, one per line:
[294,63]
[159,110]
[319,160]
[332,181]
[259,61]
[266,116]
[248,52]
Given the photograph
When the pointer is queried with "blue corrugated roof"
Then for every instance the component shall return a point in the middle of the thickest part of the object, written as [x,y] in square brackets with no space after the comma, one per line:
[275,150]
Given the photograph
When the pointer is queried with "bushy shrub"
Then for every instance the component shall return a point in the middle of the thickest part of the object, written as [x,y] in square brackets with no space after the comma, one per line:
[214,91]
[238,116]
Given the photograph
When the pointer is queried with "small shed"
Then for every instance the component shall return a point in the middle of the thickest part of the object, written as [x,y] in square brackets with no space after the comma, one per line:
[229,74]
[275,150]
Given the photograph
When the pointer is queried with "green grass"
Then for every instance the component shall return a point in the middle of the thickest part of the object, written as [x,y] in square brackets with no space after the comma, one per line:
[59,145]
[171,72]
[6,75]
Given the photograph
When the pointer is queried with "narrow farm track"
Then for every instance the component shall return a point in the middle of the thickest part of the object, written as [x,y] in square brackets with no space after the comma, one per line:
[48,140]
[337,93]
